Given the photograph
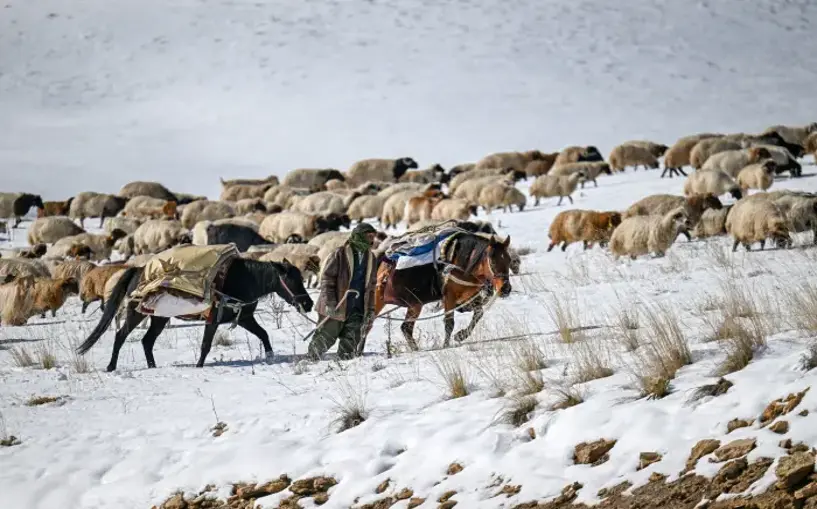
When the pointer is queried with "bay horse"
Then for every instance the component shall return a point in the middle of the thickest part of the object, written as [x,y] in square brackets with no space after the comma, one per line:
[472,268]
[245,281]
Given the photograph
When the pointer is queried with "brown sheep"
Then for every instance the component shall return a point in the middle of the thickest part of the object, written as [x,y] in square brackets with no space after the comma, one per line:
[92,286]
[541,166]
[55,208]
[152,189]
[660,204]
[588,226]
[51,294]
[16,301]
[513,161]
[679,154]
[576,154]
[419,208]
[271,180]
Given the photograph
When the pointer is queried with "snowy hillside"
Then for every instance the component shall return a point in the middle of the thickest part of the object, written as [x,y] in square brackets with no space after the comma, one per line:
[94,94]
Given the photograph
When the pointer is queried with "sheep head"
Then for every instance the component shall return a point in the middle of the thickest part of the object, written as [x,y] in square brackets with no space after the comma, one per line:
[70,286]
[402,165]
[613,220]
[770,167]
[780,233]
[590,154]
[736,193]
[759,153]
[295,239]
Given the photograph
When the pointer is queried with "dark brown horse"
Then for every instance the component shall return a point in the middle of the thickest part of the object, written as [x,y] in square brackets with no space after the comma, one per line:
[471,268]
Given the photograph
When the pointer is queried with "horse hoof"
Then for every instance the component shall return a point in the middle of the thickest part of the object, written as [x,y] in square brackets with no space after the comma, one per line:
[269,357]
[109,369]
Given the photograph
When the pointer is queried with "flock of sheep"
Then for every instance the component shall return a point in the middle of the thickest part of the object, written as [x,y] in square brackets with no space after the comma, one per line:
[305,215]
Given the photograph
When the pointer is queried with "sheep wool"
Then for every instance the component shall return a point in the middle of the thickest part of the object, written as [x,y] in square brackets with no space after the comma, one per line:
[757,220]
[548,186]
[501,195]
[641,235]
[712,182]
[757,176]
[590,169]
[626,155]
[453,208]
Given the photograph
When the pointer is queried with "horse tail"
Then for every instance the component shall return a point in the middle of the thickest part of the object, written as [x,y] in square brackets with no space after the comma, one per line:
[118,294]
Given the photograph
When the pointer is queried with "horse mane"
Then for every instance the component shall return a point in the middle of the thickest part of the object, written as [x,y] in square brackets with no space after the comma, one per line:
[468,250]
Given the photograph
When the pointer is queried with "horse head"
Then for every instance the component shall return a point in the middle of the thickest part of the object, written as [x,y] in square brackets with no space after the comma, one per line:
[292,287]
[499,263]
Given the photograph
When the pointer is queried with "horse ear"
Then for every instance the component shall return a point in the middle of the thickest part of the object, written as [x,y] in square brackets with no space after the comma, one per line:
[507,241]
[286,262]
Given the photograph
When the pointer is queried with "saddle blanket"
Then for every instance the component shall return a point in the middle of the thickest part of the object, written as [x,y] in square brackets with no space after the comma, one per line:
[417,250]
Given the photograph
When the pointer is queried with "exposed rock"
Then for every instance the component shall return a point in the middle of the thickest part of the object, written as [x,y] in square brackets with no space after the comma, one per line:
[799,447]
[700,450]
[383,503]
[532,433]
[251,491]
[785,444]
[509,490]
[615,490]
[737,476]
[404,494]
[737,424]
[177,501]
[807,491]
[735,449]
[593,453]
[382,486]
[782,406]
[445,496]
[714,390]
[646,459]
[569,492]
[454,468]
[780,427]
[312,486]
[657,477]
[219,429]
[320,498]
[448,504]
[803,413]
[415,501]
[792,470]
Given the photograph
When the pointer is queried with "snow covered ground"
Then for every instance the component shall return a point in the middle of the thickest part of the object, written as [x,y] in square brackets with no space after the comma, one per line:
[94,94]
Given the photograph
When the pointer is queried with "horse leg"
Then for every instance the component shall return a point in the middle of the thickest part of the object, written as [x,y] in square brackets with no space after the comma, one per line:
[251,325]
[157,325]
[132,319]
[408,325]
[463,334]
[449,304]
[207,342]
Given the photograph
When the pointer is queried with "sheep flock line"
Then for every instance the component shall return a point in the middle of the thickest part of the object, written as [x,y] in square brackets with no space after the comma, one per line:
[307,214]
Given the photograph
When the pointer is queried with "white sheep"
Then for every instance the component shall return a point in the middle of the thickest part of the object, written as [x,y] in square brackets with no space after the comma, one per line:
[21,267]
[783,158]
[757,176]
[800,209]
[394,208]
[205,210]
[278,228]
[271,180]
[308,264]
[712,223]
[656,149]
[327,237]
[732,161]
[47,230]
[152,189]
[795,135]
[516,161]
[323,203]
[714,182]
[591,170]
[157,235]
[248,206]
[432,174]
[283,195]
[625,155]
[393,189]
[126,224]
[146,207]
[470,189]
[244,192]
[389,170]
[756,220]
[640,235]
[453,208]
[101,245]
[501,195]
[550,186]
[90,204]
[706,147]
[366,207]
[313,179]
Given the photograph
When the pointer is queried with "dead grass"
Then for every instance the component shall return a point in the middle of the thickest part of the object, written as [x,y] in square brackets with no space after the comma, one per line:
[21,357]
[802,305]
[625,324]
[349,406]
[42,400]
[737,301]
[663,353]
[46,356]
[518,409]
[529,356]
[566,397]
[808,360]
[563,314]
[746,338]
[591,361]
[454,375]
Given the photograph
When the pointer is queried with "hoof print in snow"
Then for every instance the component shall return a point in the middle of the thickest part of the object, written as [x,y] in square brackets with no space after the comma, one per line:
[780,427]
[454,469]
[737,424]
[415,502]
[593,453]
[701,449]
[646,459]
[782,406]
[9,441]
[618,489]
[219,429]
[734,449]
[382,486]
[794,469]
[446,496]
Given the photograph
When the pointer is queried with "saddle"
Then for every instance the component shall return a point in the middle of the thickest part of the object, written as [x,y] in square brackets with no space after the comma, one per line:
[182,281]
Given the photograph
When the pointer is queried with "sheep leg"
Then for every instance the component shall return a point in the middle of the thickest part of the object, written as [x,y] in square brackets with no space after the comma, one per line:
[665,171]
[132,319]
[251,325]
[687,235]
[407,328]
[102,220]
[582,186]
[735,245]
[682,172]
[595,183]
[536,201]
[553,244]
[762,244]
[571,199]
[564,246]
[157,325]
[747,246]
[54,313]
[585,245]
[206,342]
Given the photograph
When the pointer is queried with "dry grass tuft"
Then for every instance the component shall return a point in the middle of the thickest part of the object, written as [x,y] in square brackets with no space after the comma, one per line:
[349,407]
[567,397]
[46,357]
[42,400]
[808,360]
[664,352]
[591,362]
[518,409]
[21,357]
[530,382]
[625,325]
[528,356]
[745,341]
[737,301]
[563,314]
[454,375]
[802,305]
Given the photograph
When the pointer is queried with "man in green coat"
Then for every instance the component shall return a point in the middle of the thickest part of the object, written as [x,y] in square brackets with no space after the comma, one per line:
[346,299]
